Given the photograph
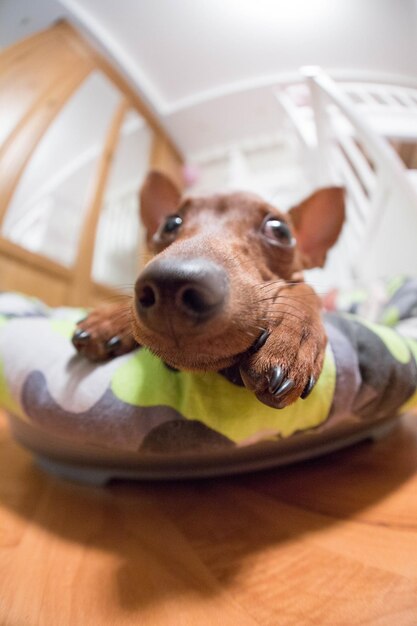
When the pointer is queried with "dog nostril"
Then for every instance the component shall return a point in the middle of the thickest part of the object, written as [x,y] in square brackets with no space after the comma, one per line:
[146,297]
[195,300]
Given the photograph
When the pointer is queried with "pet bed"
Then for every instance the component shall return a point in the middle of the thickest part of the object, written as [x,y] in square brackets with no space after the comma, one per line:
[135,417]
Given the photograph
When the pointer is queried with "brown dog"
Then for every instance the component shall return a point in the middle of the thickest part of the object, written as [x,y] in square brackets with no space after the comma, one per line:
[225,290]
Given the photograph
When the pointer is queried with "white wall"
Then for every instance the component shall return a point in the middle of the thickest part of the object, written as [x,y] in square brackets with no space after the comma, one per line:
[393,247]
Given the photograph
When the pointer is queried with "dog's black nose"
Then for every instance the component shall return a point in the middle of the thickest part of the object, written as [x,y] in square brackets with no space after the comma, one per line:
[193,288]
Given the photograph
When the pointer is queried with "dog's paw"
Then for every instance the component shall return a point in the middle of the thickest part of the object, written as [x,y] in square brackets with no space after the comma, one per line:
[103,334]
[283,366]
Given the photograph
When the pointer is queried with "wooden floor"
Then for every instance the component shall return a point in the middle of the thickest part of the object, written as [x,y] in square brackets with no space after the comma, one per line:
[330,542]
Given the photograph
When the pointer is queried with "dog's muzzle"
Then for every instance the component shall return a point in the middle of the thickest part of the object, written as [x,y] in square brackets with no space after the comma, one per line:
[191,291]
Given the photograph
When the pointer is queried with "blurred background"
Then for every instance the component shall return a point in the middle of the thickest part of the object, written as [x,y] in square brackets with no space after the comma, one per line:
[276,97]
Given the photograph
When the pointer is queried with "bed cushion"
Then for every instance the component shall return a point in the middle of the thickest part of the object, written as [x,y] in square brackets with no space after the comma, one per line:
[134,412]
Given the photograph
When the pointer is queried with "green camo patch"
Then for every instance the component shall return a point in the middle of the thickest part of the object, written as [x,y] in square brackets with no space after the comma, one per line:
[6,399]
[208,397]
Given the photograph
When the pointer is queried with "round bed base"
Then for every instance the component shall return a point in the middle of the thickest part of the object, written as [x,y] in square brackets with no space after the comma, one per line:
[97,466]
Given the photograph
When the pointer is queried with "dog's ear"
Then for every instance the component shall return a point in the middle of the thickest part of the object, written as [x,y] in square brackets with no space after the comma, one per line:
[317,223]
[158,198]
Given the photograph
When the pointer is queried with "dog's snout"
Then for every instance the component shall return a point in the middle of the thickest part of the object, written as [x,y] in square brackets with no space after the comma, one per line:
[189,288]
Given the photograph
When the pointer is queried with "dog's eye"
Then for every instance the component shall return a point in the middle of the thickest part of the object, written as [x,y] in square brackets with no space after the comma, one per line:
[278,232]
[172,223]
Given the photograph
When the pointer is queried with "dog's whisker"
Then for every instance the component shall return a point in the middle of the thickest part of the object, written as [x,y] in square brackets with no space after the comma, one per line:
[244,327]
[282,315]
[283,301]
[288,283]
[314,294]
[275,299]
[272,283]
[294,305]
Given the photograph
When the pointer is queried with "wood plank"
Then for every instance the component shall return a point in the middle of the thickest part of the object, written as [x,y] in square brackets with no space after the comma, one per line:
[21,277]
[37,77]
[83,266]
[124,86]
[21,143]
[32,259]
[29,69]
[20,49]
[329,542]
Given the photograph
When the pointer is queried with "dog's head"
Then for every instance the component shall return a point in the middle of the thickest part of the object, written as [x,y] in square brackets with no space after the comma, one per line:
[220,263]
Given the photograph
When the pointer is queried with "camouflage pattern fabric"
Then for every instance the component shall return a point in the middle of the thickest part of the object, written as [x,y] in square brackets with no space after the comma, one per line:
[136,403]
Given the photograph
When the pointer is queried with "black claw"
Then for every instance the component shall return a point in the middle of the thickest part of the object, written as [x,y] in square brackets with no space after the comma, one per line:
[276,379]
[286,386]
[82,336]
[308,388]
[260,341]
[113,343]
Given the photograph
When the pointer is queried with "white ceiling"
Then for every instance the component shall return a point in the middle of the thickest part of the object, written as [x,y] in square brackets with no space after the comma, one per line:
[186,48]
[207,66]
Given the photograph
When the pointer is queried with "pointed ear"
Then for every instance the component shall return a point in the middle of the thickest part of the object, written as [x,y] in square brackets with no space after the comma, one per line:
[158,198]
[317,223]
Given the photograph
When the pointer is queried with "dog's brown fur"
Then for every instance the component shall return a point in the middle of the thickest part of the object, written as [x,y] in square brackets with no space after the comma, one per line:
[265,290]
